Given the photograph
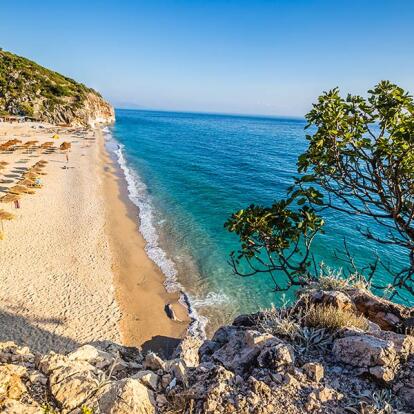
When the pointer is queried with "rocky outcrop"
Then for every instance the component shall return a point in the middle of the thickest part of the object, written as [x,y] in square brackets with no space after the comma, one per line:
[29,89]
[247,367]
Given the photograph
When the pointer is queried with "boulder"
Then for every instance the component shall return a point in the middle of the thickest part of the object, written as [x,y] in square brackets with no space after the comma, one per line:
[232,351]
[388,315]
[125,396]
[337,299]
[403,344]
[187,350]
[96,357]
[374,355]
[73,383]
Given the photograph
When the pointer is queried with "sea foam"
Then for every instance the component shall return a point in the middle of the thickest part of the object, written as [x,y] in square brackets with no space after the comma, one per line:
[138,194]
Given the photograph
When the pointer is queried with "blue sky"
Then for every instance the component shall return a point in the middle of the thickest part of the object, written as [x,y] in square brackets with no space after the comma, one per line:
[253,57]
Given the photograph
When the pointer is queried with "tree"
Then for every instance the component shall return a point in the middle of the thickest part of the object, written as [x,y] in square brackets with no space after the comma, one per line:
[360,161]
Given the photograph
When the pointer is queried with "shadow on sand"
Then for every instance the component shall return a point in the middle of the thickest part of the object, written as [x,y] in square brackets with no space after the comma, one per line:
[164,346]
[27,332]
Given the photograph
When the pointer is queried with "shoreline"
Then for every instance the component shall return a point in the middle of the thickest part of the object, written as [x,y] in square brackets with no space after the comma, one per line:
[74,266]
[139,283]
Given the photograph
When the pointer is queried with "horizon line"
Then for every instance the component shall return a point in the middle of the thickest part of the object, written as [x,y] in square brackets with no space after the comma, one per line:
[293,117]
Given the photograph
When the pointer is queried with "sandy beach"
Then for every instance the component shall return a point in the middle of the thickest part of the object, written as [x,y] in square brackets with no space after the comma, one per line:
[73,265]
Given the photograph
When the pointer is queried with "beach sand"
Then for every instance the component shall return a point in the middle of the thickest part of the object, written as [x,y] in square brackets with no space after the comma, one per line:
[72,264]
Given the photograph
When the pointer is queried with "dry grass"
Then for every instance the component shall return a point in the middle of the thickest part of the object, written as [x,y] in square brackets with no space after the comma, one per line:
[330,279]
[333,319]
[279,322]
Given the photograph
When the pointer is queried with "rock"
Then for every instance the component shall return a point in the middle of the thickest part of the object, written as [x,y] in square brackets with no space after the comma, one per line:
[317,398]
[188,349]
[314,371]
[11,384]
[290,380]
[231,350]
[148,378]
[254,338]
[12,353]
[178,369]
[388,315]
[125,396]
[73,383]
[9,406]
[165,380]
[161,400]
[96,357]
[327,394]
[376,355]
[333,298]
[153,362]
[275,355]
[403,344]
[407,395]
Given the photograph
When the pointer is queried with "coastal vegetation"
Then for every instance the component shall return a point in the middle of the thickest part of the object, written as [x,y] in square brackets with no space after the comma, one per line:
[359,161]
[28,89]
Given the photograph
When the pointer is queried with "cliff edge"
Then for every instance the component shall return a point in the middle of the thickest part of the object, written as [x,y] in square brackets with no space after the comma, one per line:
[28,89]
[331,352]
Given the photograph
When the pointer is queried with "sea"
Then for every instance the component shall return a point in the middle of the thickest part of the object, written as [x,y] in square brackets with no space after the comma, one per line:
[188,172]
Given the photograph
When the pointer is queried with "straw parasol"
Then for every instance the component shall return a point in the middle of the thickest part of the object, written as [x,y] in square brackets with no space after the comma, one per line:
[65,146]
[18,189]
[26,182]
[10,198]
[4,163]
[4,215]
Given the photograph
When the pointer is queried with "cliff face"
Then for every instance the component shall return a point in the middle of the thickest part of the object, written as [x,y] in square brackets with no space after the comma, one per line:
[29,89]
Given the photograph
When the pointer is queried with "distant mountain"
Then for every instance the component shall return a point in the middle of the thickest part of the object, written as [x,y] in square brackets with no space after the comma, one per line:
[27,88]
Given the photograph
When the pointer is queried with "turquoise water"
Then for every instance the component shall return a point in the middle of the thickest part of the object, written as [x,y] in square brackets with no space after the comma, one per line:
[188,172]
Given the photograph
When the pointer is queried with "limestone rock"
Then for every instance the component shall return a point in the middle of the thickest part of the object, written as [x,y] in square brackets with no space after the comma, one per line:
[314,371]
[9,406]
[11,384]
[254,338]
[376,355]
[72,384]
[275,355]
[125,396]
[187,350]
[96,357]
[153,362]
[148,378]
[388,315]
[337,299]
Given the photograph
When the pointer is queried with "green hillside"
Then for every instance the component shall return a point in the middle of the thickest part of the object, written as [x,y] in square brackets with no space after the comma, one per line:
[27,88]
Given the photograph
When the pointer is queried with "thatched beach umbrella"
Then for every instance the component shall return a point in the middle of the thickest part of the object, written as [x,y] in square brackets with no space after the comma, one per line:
[19,189]
[4,163]
[26,182]
[10,198]
[65,146]
[4,215]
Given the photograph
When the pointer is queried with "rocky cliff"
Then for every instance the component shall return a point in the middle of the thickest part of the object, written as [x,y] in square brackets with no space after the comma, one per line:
[29,89]
[332,352]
